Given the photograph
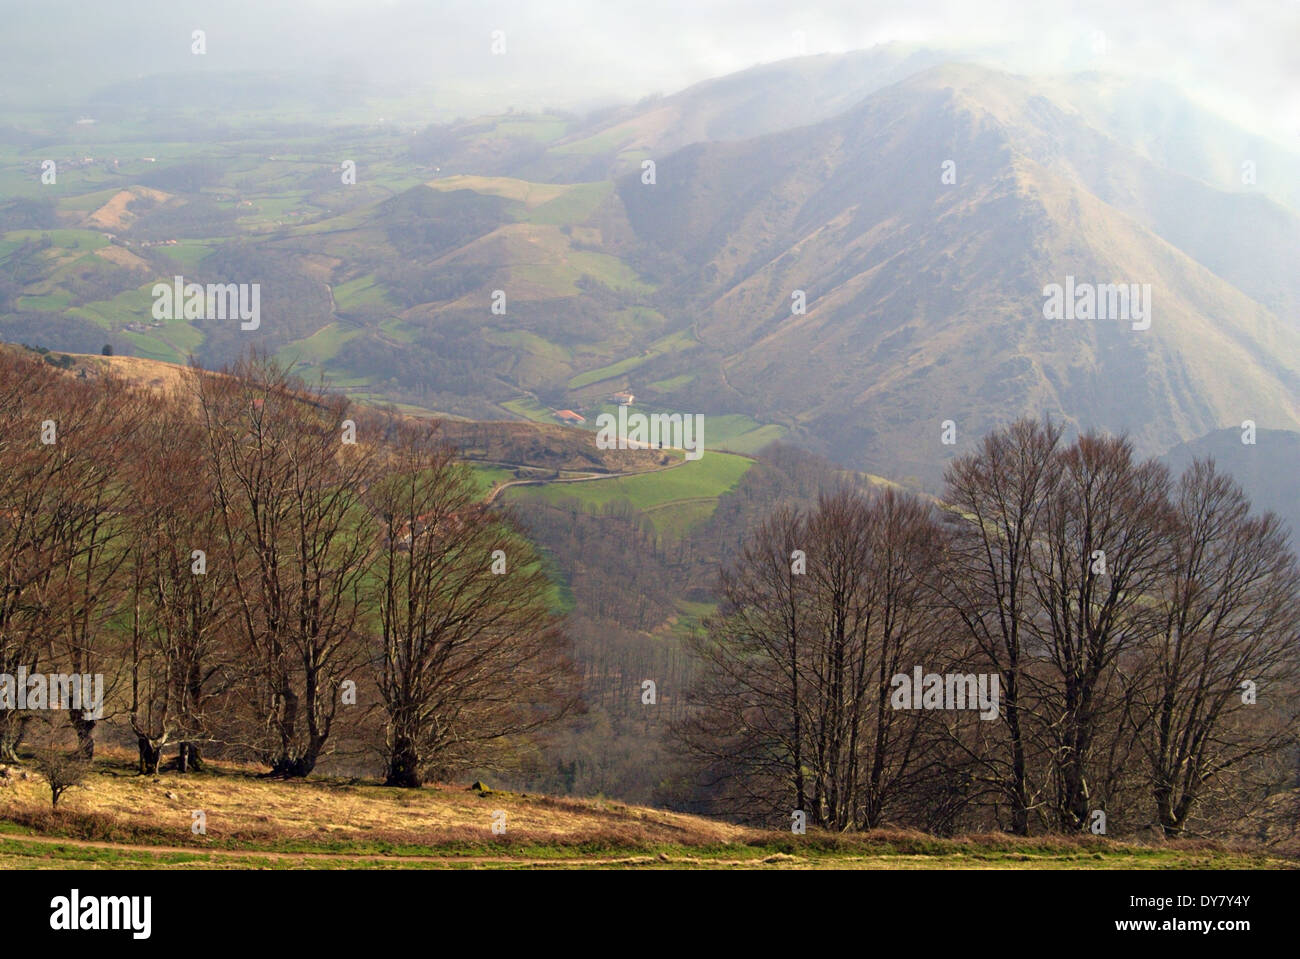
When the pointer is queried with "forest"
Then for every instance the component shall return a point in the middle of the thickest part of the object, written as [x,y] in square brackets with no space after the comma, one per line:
[260,569]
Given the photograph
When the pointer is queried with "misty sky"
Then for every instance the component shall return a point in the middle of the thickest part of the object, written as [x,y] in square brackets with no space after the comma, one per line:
[1240,57]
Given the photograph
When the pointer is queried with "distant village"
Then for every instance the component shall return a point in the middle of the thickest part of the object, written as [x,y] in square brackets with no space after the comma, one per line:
[577,419]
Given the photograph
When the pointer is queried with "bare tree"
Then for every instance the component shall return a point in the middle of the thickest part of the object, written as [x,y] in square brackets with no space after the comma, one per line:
[95,429]
[60,527]
[998,497]
[1219,684]
[61,771]
[28,524]
[180,606]
[820,613]
[295,538]
[748,725]
[1100,551]
[468,657]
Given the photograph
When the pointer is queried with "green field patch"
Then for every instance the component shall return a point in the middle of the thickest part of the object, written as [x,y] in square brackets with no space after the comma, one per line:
[485,477]
[67,239]
[673,521]
[87,202]
[131,306]
[187,253]
[395,328]
[529,409]
[610,271]
[363,293]
[153,347]
[280,206]
[674,499]
[58,300]
[529,343]
[352,220]
[676,342]
[575,206]
[530,194]
[733,432]
[673,382]
[740,433]
[690,616]
[543,129]
[182,336]
[607,141]
[320,347]
[546,279]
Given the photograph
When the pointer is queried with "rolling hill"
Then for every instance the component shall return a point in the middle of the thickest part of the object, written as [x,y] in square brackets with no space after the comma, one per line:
[1266,469]
[505,267]
[925,299]
[121,820]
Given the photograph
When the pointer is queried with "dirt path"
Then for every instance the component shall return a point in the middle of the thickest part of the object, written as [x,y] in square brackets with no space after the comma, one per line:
[359,858]
[585,478]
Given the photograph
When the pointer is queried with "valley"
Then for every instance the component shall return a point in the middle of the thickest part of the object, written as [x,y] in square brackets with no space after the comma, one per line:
[950,335]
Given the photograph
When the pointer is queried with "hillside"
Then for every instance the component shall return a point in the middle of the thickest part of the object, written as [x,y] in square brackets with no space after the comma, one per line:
[820,174]
[925,299]
[121,820]
[1266,469]
[539,446]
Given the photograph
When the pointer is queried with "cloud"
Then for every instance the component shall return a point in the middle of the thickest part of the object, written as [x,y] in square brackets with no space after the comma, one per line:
[1237,56]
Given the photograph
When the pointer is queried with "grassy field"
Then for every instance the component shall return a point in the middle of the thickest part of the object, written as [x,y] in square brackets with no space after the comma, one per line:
[530,409]
[673,500]
[123,820]
[681,340]
[361,293]
[486,477]
[318,348]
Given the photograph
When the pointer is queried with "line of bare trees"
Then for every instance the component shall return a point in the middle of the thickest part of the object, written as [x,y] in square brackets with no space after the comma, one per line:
[253,565]
[1142,631]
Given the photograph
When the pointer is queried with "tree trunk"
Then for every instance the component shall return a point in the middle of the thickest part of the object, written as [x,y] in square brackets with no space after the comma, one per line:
[12,728]
[85,736]
[1019,795]
[149,756]
[189,758]
[403,764]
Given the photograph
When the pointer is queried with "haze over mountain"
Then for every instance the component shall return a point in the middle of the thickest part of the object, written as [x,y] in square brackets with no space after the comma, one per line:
[925,299]
[921,205]
[1265,468]
[429,248]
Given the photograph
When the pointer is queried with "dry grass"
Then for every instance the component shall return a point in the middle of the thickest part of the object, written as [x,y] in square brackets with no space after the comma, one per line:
[114,214]
[126,820]
[243,809]
[150,374]
[120,256]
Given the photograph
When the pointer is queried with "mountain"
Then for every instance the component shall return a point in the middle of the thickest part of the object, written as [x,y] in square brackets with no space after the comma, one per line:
[1266,469]
[763,99]
[820,174]
[925,300]
[1162,124]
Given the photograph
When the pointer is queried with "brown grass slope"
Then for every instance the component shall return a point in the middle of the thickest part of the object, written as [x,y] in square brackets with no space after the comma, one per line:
[121,818]
[925,299]
[538,445]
